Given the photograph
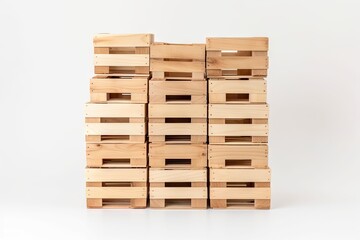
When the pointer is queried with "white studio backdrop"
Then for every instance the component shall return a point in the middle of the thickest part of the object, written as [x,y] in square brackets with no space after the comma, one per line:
[313,92]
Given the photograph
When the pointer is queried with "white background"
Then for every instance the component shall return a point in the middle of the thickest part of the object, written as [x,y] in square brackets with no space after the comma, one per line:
[313,84]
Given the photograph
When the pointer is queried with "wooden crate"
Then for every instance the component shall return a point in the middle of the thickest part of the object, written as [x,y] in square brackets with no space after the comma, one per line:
[177,155]
[178,123]
[238,123]
[183,188]
[122,53]
[177,61]
[236,57]
[121,89]
[116,188]
[116,155]
[240,188]
[177,91]
[115,123]
[238,156]
[241,90]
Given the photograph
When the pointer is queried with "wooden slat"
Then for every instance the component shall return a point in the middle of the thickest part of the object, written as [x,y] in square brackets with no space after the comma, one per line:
[173,151]
[225,62]
[217,151]
[115,128]
[177,110]
[239,44]
[131,60]
[237,86]
[193,175]
[123,40]
[118,86]
[178,193]
[115,110]
[177,129]
[176,66]
[238,111]
[238,129]
[178,87]
[240,175]
[116,192]
[114,151]
[178,51]
[115,175]
[240,193]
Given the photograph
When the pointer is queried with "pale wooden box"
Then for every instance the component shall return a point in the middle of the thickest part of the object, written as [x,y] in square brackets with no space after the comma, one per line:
[236,57]
[116,188]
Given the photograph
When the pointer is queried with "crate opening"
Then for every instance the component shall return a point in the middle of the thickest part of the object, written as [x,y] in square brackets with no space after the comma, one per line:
[240,184]
[178,59]
[177,120]
[238,121]
[116,202]
[121,70]
[114,120]
[238,139]
[178,184]
[119,96]
[178,74]
[244,72]
[176,98]
[115,137]
[122,50]
[240,202]
[116,184]
[116,162]
[236,53]
[237,97]
[237,163]
[170,162]
[177,202]
[175,138]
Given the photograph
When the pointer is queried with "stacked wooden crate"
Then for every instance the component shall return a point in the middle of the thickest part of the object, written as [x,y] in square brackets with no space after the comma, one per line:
[116,127]
[238,122]
[178,126]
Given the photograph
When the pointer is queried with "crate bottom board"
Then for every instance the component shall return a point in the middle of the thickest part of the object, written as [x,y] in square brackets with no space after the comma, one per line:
[179,203]
[240,203]
[116,203]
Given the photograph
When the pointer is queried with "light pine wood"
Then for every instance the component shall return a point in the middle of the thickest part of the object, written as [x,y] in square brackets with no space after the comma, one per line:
[239,44]
[219,154]
[176,66]
[178,51]
[237,86]
[240,193]
[184,175]
[178,88]
[237,129]
[115,129]
[115,110]
[123,40]
[238,111]
[240,175]
[131,60]
[178,193]
[177,129]
[116,192]
[118,86]
[177,150]
[177,110]
[225,62]
[96,153]
[116,175]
